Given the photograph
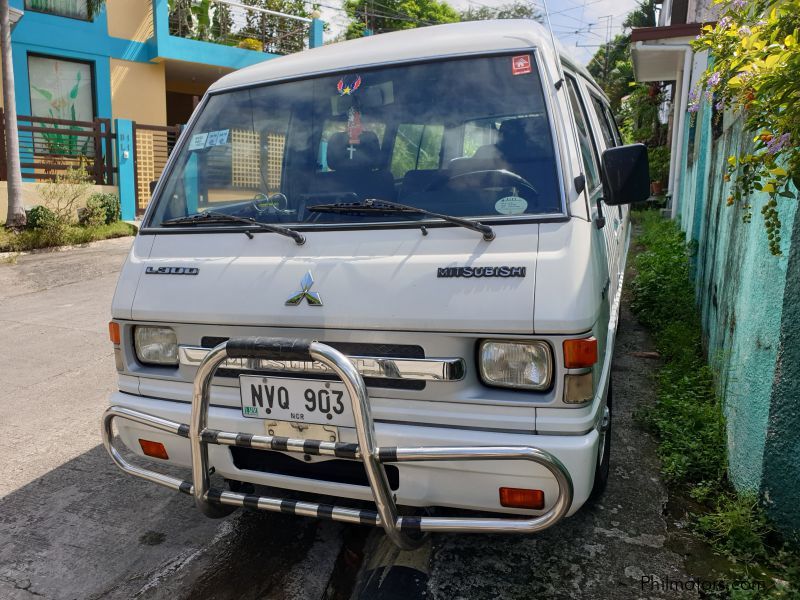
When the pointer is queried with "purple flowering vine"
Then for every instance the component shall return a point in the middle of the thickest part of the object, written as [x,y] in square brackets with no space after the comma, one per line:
[777,144]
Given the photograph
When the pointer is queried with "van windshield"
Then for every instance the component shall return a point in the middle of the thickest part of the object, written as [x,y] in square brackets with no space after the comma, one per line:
[462,137]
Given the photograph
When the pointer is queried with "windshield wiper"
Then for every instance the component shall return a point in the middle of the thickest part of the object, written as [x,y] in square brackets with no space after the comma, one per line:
[211,216]
[376,206]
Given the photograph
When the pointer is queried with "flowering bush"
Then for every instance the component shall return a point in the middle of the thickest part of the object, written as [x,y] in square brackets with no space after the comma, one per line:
[756,69]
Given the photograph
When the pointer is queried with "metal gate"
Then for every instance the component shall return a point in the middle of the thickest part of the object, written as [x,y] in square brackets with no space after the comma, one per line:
[152,145]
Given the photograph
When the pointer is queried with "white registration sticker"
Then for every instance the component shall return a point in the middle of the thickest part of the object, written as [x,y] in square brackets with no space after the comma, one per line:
[301,400]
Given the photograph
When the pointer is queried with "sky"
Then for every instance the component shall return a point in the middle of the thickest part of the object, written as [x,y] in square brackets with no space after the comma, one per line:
[581,25]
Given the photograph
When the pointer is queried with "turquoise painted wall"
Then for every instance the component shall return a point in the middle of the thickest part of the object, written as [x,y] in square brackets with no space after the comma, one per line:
[741,291]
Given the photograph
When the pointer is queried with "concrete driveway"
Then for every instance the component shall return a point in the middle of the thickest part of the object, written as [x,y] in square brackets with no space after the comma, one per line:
[73,526]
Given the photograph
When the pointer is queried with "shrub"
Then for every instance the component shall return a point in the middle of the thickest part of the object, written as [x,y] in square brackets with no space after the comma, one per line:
[111,206]
[94,214]
[39,217]
[63,193]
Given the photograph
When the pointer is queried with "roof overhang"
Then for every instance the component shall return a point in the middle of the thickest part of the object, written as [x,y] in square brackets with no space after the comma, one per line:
[657,53]
[658,61]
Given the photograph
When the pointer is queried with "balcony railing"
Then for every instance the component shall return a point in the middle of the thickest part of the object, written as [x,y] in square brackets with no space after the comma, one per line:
[250,26]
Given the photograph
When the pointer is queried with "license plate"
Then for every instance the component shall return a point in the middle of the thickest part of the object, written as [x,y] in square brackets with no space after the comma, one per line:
[302,400]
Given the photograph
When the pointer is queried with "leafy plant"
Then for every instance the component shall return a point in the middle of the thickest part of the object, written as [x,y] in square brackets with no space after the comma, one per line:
[659,163]
[112,211]
[755,70]
[30,239]
[93,214]
[62,195]
[39,217]
[688,420]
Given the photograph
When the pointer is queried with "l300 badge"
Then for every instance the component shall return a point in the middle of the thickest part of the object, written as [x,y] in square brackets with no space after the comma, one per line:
[172,270]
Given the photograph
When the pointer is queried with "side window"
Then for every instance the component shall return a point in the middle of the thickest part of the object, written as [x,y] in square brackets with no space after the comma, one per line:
[416,147]
[605,127]
[614,127]
[588,152]
[477,134]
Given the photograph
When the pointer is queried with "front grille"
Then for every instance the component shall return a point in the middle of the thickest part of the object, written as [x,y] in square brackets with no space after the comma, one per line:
[349,348]
[334,471]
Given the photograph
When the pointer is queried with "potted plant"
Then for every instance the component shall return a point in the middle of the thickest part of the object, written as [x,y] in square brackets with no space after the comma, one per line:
[659,168]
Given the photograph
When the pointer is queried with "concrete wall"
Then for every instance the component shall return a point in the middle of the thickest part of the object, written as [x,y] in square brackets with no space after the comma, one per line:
[138,92]
[31,195]
[130,19]
[746,296]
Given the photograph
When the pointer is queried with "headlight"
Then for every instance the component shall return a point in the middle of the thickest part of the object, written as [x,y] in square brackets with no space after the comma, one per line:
[522,365]
[156,345]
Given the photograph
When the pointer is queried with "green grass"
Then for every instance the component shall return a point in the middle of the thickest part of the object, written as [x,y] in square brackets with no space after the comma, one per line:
[688,419]
[30,239]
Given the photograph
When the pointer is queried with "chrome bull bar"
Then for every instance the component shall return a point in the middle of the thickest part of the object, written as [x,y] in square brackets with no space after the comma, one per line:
[405,531]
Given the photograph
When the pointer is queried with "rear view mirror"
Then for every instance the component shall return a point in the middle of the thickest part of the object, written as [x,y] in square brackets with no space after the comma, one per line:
[626,175]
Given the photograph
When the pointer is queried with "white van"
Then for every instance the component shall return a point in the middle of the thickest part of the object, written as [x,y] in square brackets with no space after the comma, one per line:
[385,270]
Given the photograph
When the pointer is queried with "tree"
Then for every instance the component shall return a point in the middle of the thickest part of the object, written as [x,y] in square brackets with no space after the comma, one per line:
[16,213]
[512,10]
[394,15]
[278,34]
[611,65]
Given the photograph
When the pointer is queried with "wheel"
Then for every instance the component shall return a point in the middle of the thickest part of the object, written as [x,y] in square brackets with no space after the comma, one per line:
[604,453]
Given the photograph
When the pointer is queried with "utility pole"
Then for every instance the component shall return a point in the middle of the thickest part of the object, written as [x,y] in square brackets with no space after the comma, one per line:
[609,21]
[15,218]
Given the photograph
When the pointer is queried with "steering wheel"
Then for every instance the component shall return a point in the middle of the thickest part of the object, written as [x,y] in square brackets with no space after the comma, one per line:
[484,175]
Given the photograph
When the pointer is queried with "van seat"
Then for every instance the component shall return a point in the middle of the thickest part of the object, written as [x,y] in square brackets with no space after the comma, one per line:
[358,171]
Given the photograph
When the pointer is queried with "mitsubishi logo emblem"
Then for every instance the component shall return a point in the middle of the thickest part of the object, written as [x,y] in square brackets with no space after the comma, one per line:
[313,298]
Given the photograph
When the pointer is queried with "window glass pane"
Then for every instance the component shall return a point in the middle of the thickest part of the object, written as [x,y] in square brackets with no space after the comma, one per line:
[614,127]
[416,147]
[61,89]
[605,127]
[588,152]
[77,9]
[466,137]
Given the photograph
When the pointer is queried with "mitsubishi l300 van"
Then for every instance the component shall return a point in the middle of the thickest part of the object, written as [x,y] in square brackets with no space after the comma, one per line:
[386,270]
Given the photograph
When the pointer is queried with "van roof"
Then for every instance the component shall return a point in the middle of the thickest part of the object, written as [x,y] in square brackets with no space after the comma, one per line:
[401,46]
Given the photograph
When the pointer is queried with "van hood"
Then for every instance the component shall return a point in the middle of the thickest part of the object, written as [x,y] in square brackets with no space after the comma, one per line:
[365,279]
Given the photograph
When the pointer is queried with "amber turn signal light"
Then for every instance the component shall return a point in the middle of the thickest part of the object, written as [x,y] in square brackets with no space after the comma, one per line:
[154,449]
[521,498]
[580,353]
[113,332]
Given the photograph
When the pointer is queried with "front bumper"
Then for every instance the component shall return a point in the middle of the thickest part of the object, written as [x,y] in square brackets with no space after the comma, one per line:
[437,466]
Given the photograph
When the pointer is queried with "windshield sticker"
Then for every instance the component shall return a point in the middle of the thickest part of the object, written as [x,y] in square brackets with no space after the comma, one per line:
[198,141]
[520,65]
[511,205]
[217,138]
[348,85]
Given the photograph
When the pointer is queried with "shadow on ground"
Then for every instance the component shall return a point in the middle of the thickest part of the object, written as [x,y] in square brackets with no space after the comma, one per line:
[87,530]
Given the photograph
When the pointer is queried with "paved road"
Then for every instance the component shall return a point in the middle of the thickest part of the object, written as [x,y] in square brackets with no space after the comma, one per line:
[73,526]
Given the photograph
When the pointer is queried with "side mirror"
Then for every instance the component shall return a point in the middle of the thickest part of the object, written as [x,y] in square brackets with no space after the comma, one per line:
[153,186]
[626,175]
